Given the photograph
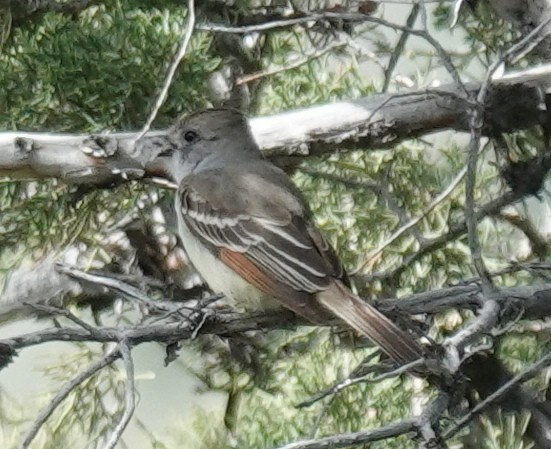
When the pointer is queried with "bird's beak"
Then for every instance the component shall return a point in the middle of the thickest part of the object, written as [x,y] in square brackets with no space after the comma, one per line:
[160,162]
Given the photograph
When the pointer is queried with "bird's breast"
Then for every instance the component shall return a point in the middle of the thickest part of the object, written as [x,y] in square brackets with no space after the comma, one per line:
[222,279]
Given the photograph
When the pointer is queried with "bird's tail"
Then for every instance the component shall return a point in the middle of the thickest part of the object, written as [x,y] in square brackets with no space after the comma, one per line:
[367,320]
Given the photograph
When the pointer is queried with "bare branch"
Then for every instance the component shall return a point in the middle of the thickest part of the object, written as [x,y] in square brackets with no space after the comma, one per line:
[477,327]
[184,42]
[491,208]
[536,301]
[538,242]
[399,47]
[55,311]
[129,399]
[353,379]
[372,122]
[308,57]
[428,422]
[116,285]
[470,183]
[64,392]
[399,232]
[356,438]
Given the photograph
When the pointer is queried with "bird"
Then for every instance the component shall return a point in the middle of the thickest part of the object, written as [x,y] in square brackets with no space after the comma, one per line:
[250,234]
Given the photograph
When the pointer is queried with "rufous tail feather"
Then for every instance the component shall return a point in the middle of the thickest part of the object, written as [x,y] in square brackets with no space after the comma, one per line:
[367,320]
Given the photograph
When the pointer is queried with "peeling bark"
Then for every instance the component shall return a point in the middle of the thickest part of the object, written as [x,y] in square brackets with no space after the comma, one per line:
[378,121]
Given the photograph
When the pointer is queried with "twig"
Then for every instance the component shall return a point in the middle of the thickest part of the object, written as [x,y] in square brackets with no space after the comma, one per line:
[129,399]
[538,242]
[529,42]
[52,310]
[293,65]
[353,17]
[400,46]
[396,234]
[523,376]
[128,291]
[428,422]
[204,316]
[353,380]
[490,208]
[485,319]
[319,418]
[184,42]
[476,122]
[356,438]
[398,371]
[330,391]
[64,392]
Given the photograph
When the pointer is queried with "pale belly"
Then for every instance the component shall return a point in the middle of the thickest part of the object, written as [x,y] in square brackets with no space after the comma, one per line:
[222,279]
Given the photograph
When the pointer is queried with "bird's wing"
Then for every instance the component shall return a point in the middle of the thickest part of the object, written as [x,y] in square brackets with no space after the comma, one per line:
[223,211]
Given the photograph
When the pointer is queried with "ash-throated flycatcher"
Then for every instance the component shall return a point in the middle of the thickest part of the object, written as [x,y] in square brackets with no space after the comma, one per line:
[248,231]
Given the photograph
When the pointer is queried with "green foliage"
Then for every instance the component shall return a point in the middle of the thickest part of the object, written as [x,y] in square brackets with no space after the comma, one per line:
[328,78]
[501,431]
[101,70]
[298,376]
[94,72]
[90,409]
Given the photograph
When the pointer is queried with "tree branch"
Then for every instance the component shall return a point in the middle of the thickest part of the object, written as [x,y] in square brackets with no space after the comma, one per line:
[129,399]
[490,208]
[356,438]
[184,42]
[536,302]
[376,121]
[64,392]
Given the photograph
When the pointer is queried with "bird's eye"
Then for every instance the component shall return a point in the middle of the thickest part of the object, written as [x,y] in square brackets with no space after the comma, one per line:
[190,136]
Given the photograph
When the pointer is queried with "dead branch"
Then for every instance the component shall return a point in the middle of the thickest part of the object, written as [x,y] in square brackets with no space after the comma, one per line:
[538,242]
[377,121]
[356,438]
[129,396]
[456,230]
[64,392]
[535,300]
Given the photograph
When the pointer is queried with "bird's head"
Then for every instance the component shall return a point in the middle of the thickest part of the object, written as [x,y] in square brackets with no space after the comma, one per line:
[206,140]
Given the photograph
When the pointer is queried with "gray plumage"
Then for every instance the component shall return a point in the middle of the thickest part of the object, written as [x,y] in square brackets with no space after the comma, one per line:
[249,232]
